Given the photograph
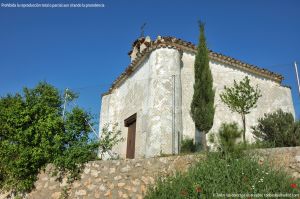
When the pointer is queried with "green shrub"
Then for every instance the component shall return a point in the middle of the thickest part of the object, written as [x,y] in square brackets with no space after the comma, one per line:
[228,133]
[109,138]
[188,146]
[255,145]
[279,129]
[225,139]
[218,174]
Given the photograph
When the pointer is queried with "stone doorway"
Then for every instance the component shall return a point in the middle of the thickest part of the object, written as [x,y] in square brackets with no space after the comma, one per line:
[131,124]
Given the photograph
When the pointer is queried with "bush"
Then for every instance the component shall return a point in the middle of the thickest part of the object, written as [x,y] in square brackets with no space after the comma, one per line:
[188,146]
[228,133]
[109,138]
[226,138]
[279,129]
[255,145]
[218,174]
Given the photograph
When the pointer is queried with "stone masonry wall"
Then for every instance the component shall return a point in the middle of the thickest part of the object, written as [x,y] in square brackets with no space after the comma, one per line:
[286,158]
[113,178]
[130,178]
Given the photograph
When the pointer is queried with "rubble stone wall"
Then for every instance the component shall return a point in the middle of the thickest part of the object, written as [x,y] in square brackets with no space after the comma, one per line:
[113,178]
[130,178]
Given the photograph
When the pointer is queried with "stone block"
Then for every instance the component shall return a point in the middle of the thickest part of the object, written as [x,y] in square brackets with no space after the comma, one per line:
[81,192]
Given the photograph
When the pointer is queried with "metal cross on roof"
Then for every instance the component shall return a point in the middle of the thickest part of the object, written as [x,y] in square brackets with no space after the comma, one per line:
[142,30]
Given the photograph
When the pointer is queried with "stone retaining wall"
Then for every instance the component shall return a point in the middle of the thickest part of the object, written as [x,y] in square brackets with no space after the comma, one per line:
[113,178]
[130,178]
[286,158]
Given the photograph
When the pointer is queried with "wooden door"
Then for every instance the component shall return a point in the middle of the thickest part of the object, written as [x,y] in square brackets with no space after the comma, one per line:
[131,124]
[131,140]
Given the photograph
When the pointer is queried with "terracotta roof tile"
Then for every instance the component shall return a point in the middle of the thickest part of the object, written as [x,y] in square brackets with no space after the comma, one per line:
[172,42]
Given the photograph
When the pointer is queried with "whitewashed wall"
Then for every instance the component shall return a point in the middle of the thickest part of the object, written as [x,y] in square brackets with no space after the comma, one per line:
[274,96]
[149,91]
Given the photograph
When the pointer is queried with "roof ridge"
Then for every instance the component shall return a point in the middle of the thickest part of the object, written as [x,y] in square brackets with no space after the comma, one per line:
[177,43]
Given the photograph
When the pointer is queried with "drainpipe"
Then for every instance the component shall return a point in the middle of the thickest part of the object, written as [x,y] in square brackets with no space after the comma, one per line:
[173,116]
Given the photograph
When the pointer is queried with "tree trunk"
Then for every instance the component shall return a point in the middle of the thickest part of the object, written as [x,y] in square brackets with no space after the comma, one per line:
[203,141]
[244,128]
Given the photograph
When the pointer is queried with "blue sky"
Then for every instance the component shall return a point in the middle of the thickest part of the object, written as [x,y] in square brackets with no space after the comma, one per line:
[86,49]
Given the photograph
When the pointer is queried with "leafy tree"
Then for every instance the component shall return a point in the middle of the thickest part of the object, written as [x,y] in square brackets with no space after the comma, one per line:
[202,106]
[241,98]
[278,128]
[76,147]
[33,134]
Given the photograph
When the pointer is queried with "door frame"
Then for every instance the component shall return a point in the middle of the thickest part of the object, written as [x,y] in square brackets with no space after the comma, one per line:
[127,122]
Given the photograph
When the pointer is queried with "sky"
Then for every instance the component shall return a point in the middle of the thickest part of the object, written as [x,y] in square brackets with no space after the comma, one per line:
[85,49]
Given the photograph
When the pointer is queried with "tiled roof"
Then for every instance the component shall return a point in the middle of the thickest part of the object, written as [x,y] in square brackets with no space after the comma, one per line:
[172,42]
